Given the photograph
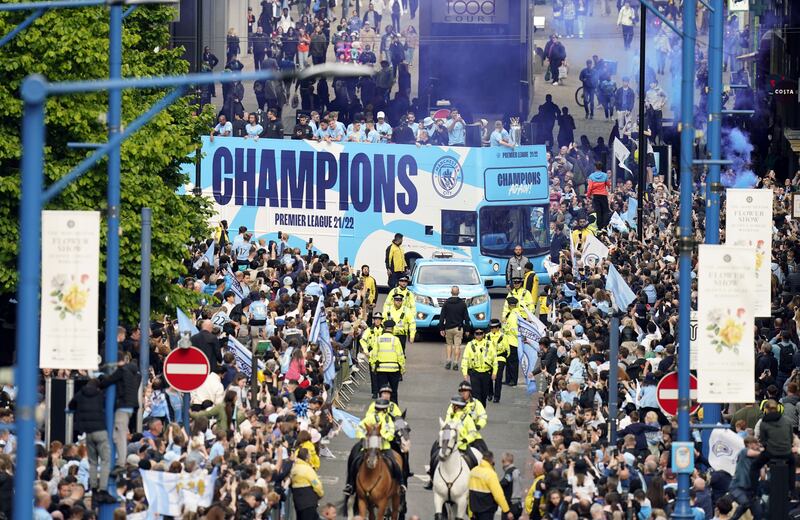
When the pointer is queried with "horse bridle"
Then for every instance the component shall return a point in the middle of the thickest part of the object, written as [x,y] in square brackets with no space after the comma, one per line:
[460,471]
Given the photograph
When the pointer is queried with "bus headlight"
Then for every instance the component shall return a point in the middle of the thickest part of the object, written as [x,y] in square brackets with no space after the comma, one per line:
[477,300]
[424,300]
[496,267]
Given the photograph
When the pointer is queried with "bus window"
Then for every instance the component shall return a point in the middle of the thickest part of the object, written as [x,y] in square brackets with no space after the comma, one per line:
[459,228]
[503,227]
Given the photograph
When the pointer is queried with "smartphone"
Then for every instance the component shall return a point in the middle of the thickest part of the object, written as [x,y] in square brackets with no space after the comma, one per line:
[311,240]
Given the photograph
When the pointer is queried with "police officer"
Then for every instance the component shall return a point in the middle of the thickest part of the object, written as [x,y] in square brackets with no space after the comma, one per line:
[386,393]
[388,359]
[502,352]
[468,436]
[511,331]
[523,296]
[379,415]
[368,342]
[405,326]
[479,366]
[476,412]
[401,289]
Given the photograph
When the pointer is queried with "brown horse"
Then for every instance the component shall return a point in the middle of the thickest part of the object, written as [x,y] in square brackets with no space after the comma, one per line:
[375,485]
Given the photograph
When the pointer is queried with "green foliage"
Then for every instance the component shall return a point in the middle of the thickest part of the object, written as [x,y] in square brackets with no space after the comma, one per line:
[72,44]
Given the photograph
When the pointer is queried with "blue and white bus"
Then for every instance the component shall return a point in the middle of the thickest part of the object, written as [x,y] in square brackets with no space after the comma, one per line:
[352,198]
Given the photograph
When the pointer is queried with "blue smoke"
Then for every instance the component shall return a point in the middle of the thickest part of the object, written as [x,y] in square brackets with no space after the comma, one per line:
[736,147]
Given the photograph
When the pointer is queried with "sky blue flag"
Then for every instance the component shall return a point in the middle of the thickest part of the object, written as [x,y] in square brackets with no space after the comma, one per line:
[630,215]
[321,336]
[185,324]
[347,421]
[243,357]
[210,254]
[530,332]
[622,293]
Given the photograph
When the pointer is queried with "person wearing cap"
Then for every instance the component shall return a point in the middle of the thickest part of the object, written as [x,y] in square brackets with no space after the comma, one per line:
[369,342]
[306,487]
[402,290]
[387,359]
[384,129]
[498,341]
[379,416]
[467,435]
[511,331]
[479,366]
[485,492]
[405,326]
[474,409]
[396,265]
[385,393]
[523,296]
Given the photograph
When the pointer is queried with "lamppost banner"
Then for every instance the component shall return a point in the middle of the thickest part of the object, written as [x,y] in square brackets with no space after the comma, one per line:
[748,223]
[725,360]
[70,289]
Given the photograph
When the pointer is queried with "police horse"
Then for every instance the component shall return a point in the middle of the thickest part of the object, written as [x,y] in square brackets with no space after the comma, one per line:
[451,477]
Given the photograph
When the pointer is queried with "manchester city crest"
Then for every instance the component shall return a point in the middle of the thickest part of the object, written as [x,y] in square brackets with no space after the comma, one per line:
[447,177]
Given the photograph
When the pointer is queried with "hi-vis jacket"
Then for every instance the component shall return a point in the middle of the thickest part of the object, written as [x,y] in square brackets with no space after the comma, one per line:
[479,356]
[387,356]
[386,423]
[404,322]
[500,344]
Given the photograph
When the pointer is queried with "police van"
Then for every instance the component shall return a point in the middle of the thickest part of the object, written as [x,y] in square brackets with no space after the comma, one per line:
[431,281]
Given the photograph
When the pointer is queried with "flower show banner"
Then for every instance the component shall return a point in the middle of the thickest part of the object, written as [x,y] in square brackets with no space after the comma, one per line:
[725,360]
[748,223]
[70,273]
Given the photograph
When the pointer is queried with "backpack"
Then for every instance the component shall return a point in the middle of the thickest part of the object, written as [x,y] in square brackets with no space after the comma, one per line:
[786,361]
[607,88]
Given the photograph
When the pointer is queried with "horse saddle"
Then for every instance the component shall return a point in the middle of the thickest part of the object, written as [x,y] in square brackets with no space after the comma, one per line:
[471,456]
[393,459]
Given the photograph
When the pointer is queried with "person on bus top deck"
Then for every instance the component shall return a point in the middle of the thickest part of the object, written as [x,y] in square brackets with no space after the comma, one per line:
[395,260]
[402,290]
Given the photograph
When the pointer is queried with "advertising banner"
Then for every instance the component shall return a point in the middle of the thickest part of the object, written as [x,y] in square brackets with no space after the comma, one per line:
[469,11]
[70,289]
[725,357]
[748,223]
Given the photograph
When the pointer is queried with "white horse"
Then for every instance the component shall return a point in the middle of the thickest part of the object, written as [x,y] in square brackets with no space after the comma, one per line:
[451,478]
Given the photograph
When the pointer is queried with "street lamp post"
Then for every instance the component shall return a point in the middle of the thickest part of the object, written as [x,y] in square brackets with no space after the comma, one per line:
[642,124]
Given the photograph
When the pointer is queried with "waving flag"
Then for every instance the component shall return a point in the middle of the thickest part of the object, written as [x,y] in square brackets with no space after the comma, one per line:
[724,449]
[593,251]
[622,293]
[185,324]
[243,356]
[320,335]
[209,256]
[572,256]
[172,494]
[617,223]
[530,332]
[621,153]
[236,286]
[630,214]
[347,421]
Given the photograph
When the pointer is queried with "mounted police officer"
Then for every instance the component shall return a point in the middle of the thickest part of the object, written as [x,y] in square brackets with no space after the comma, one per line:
[468,436]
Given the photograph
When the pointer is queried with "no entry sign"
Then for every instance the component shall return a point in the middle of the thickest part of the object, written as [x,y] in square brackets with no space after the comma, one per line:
[185,369]
[667,394]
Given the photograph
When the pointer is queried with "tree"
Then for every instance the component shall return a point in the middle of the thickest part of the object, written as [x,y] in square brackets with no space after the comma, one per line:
[72,44]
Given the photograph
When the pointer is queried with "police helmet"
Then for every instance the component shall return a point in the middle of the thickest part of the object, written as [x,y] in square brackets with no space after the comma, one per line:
[479,331]
[494,323]
[398,297]
[388,324]
[465,386]
[457,400]
[512,301]
[517,279]
[385,389]
[381,404]
[377,315]
[403,278]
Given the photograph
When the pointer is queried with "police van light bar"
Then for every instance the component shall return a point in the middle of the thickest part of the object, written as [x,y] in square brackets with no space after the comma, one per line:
[442,254]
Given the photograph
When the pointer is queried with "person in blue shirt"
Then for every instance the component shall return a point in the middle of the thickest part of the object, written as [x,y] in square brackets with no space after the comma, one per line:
[323,133]
[337,127]
[500,136]
[411,122]
[383,128]
[241,249]
[252,129]
[356,134]
[372,135]
[456,129]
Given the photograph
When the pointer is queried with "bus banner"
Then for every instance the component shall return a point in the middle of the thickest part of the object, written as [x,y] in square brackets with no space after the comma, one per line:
[346,194]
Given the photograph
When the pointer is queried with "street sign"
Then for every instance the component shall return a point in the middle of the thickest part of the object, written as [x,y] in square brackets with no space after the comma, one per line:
[667,393]
[185,369]
[682,457]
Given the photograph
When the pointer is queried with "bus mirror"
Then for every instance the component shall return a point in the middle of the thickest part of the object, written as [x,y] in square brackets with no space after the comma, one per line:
[488,282]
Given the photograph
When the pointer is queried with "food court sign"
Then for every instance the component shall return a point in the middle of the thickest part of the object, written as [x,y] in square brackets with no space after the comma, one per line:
[470,11]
